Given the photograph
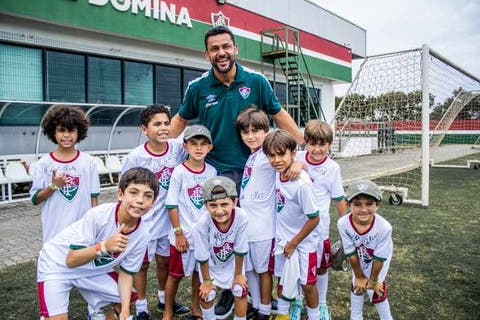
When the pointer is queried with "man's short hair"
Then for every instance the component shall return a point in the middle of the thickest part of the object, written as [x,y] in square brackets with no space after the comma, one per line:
[216,31]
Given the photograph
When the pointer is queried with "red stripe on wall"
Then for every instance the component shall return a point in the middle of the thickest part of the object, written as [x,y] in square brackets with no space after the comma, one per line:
[201,10]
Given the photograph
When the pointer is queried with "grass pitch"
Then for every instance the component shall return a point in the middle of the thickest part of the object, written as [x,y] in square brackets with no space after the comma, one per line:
[434,273]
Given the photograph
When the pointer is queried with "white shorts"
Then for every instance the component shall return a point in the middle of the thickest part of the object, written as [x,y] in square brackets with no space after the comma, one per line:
[257,258]
[308,266]
[98,291]
[160,246]
[222,278]
[181,265]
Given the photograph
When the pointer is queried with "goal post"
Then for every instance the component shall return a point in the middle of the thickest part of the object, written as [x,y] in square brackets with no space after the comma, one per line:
[404,112]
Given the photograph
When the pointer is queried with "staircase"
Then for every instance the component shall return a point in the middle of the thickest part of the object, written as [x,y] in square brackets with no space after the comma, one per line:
[302,100]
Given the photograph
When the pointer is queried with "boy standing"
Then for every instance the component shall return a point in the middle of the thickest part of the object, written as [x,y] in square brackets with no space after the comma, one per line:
[220,245]
[367,241]
[327,185]
[83,254]
[160,155]
[66,180]
[185,207]
[296,227]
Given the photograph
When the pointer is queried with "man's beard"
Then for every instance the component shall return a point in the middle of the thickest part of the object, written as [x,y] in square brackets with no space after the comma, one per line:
[231,62]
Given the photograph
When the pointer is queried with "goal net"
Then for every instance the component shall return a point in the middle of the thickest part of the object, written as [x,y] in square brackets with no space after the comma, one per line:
[405,111]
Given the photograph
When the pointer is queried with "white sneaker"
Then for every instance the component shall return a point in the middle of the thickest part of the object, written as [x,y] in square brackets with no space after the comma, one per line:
[97,315]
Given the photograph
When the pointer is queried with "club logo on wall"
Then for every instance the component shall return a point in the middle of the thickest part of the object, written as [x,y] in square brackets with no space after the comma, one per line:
[219,19]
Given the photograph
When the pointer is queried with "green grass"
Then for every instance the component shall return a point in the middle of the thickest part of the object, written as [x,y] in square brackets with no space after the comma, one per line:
[434,273]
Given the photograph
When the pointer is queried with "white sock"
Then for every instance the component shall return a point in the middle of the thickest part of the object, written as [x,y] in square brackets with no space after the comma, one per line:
[161,296]
[254,288]
[141,306]
[313,313]
[322,286]
[383,309]
[239,318]
[356,306]
[265,309]
[283,306]
[208,314]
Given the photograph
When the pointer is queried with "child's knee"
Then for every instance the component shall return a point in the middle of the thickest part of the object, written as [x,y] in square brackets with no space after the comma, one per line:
[321,271]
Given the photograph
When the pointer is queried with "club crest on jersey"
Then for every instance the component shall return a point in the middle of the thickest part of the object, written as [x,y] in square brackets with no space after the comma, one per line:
[164,176]
[279,200]
[247,173]
[244,92]
[69,191]
[365,254]
[223,252]
[195,194]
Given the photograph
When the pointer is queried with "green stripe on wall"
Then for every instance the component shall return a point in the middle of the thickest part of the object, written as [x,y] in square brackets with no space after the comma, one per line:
[80,13]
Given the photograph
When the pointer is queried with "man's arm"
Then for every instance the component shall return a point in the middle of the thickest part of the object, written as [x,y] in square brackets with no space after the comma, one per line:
[177,125]
[284,121]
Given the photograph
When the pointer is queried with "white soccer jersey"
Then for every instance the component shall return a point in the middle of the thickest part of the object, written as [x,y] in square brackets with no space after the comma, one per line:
[375,243]
[98,224]
[257,197]
[162,165]
[186,194]
[327,184]
[294,203]
[69,203]
[219,248]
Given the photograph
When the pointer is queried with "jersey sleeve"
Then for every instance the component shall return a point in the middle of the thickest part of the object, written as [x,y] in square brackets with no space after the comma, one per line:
[39,181]
[188,108]
[174,189]
[348,245]
[94,179]
[271,103]
[307,199]
[202,243]
[128,163]
[384,247]
[241,243]
[85,230]
[336,190]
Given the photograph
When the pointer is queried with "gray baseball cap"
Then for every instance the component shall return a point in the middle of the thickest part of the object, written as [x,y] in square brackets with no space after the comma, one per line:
[197,130]
[227,184]
[364,187]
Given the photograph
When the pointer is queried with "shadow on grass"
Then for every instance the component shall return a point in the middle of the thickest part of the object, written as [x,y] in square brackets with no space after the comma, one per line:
[433,275]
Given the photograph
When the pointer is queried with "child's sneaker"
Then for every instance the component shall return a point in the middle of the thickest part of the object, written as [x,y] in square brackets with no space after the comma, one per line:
[324,312]
[282,317]
[98,315]
[296,307]
[143,316]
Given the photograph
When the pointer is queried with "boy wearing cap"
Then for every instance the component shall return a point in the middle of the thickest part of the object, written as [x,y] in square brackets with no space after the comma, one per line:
[367,242]
[220,247]
[160,155]
[185,206]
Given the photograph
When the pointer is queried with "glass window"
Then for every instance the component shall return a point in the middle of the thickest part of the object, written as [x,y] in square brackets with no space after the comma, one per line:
[104,80]
[189,75]
[168,87]
[65,77]
[280,92]
[20,73]
[138,83]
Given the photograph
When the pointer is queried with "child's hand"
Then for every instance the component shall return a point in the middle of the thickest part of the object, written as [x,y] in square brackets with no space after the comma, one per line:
[59,180]
[241,280]
[376,286]
[293,173]
[289,249]
[181,242]
[117,242]
[360,285]
[205,288]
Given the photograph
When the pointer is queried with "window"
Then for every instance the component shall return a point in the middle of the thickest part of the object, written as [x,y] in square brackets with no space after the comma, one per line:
[104,80]
[20,73]
[189,75]
[138,83]
[168,87]
[65,77]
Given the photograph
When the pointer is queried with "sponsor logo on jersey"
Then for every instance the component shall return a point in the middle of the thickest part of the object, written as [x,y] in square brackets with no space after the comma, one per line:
[244,92]
[224,251]
[279,200]
[195,194]
[69,191]
[164,176]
